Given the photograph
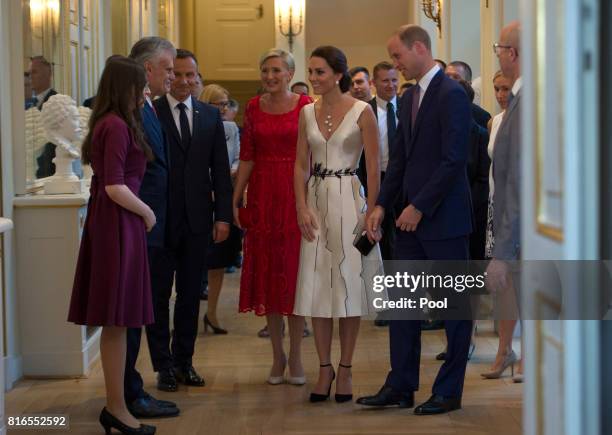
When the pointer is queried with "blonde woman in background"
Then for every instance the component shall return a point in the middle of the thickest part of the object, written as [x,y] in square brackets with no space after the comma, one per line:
[221,255]
[505,355]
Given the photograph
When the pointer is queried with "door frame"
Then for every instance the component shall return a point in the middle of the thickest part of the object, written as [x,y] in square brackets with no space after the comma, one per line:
[578,239]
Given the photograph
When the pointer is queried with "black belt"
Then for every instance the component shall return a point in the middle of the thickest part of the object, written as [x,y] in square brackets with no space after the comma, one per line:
[321,172]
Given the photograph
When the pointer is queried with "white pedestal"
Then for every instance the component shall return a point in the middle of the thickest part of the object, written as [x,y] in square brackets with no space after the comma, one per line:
[59,187]
[48,235]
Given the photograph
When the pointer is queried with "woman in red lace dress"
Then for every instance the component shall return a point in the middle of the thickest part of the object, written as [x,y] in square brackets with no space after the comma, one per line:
[272,237]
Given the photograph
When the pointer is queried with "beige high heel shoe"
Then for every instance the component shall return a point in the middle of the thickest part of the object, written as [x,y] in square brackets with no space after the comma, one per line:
[509,361]
[277,380]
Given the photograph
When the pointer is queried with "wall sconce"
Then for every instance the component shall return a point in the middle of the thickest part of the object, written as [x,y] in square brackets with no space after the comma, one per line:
[433,10]
[290,19]
[45,12]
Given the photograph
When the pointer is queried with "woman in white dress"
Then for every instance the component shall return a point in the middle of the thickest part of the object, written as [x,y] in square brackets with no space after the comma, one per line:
[505,355]
[333,276]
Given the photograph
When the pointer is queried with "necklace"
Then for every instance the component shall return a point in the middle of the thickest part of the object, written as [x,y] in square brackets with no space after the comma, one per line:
[328,123]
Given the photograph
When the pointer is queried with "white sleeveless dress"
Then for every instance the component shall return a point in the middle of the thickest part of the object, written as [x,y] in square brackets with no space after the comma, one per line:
[334,279]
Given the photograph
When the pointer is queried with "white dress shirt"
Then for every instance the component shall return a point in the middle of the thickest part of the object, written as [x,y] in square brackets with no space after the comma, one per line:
[426,80]
[176,112]
[518,84]
[40,98]
[381,112]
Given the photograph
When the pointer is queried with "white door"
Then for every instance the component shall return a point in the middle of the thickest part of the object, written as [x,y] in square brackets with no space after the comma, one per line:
[560,212]
[231,35]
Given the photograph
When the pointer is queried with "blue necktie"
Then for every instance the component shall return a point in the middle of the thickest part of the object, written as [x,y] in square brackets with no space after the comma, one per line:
[391,123]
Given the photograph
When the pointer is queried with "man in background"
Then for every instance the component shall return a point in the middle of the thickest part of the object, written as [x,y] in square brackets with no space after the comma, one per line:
[360,83]
[300,88]
[459,70]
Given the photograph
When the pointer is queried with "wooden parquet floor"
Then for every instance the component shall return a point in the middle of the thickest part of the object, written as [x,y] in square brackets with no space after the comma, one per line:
[237,401]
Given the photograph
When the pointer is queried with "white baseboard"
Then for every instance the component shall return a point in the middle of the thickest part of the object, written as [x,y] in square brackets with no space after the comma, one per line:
[13,371]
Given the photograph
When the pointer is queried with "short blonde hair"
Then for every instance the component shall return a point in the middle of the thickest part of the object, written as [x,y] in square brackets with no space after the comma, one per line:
[285,56]
[212,93]
[499,73]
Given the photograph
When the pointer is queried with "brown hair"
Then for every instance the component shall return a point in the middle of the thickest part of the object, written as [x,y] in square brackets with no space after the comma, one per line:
[411,33]
[384,65]
[181,53]
[120,91]
[336,59]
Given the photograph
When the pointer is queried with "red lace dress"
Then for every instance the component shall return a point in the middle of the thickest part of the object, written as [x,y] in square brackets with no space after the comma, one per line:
[272,237]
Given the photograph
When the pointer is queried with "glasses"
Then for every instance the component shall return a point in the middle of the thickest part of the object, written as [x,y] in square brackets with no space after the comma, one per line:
[221,104]
[497,46]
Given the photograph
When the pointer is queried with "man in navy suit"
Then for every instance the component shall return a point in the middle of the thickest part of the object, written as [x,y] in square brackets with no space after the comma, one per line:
[428,166]
[199,171]
[157,56]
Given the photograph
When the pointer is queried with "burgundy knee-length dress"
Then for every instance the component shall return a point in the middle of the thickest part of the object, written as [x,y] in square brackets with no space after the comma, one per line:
[112,283]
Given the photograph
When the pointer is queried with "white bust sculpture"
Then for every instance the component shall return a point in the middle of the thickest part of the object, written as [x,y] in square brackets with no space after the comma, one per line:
[35,140]
[84,114]
[61,121]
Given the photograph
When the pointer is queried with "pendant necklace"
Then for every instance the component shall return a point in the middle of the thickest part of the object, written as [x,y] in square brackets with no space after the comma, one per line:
[328,123]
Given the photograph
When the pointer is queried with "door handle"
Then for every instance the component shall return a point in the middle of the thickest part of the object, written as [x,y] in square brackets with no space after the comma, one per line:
[260,11]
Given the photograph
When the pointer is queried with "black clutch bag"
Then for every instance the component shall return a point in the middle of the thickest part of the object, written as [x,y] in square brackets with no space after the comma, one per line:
[363,244]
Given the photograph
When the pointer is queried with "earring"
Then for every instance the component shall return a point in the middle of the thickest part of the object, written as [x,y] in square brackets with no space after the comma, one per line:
[337,82]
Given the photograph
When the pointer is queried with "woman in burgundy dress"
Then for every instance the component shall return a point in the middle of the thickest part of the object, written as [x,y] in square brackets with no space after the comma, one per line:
[272,238]
[111,284]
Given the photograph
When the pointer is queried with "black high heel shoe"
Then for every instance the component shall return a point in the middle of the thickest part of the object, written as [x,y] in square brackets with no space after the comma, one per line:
[215,329]
[341,398]
[316,397]
[109,421]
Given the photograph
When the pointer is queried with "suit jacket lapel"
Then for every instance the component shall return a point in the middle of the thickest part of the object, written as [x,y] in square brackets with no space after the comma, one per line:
[507,113]
[198,119]
[374,107]
[153,128]
[512,105]
[165,112]
[427,101]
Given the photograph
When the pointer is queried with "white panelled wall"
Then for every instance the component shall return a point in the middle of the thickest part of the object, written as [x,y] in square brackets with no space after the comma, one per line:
[142,18]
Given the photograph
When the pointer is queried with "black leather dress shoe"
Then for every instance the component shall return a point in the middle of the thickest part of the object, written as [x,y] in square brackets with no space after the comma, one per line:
[432,325]
[166,380]
[189,376]
[387,396]
[161,403]
[438,405]
[149,407]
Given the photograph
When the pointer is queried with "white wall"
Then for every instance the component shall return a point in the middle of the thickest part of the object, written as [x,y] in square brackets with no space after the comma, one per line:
[465,33]
[11,95]
[360,28]
[511,10]
[436,48]
[13,162]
